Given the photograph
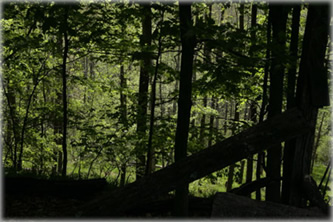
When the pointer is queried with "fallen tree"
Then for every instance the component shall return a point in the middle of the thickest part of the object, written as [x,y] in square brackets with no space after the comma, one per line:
[255,139]
[228,205]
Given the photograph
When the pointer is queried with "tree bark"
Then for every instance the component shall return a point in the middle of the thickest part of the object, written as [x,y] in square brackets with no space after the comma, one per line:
[290,145]
[217,122]
[211,123]
[143,92]
[64,94]
[225,124]
[311,93]
[184,104]
[150,154]
[232,166]
[279,20]
[241,171]
[253,110]
[316,143]
[123,117]
[261,155]
[230,177]
[325,173]
[203,124]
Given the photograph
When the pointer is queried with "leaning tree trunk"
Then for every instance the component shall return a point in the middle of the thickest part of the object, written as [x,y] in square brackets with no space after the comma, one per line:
[222,154]
[317,141]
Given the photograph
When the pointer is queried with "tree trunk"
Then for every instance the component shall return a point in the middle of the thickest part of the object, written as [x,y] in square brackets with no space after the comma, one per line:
[25,120]
[184,104]
[150,154]
[122,175]
[279,20]
[64,95]
[253,110]
[225,125]
[211,123]
[230,177]
[232,166]
[316,144]
[123,97]
[123,118]
[60,162]
[217,122]
[311,93]
[290,145]
[241,171]
[143,92]
[207,55]
[261,155]
[43,131]
[203,124]
[324,176]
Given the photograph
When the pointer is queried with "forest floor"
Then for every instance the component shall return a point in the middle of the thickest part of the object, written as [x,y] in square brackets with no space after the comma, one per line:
[38,206]
[26,197]
[50,206]
[36,202]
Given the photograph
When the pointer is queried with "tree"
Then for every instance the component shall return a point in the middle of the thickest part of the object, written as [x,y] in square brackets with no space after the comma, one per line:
[253,111]
[184,102]
[261,155]
[64,92]
[123,107]
[279,20]
[80,83]
[143,90]
[291,75]
[236,114]
[311,93]
[150,152]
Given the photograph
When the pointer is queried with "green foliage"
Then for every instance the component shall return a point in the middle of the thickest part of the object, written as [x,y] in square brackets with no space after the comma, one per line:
[103,37]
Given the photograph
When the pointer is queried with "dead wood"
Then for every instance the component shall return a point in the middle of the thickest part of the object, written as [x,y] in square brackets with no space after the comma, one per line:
[253,140]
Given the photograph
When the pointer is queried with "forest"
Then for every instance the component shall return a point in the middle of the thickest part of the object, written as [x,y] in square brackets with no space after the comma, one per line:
[166,109]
